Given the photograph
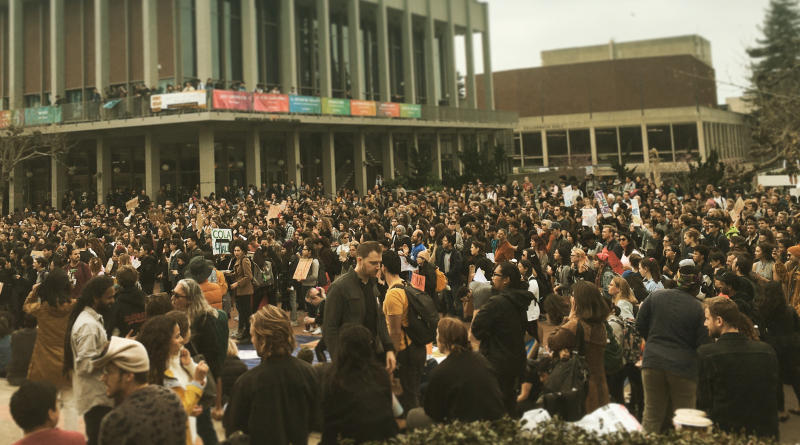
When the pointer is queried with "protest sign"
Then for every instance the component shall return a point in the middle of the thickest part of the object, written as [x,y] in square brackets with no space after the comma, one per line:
[37,254]
[738,207]
[221,239]
[635,215]
[568,196]
[418,281]
[590,217]
[132,204]
[303,266]
[135,262]
[274,212]
[601,197]
[405,266]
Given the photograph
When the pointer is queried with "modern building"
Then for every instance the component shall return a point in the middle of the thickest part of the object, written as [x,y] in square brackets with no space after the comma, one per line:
[364,83]
[585,105]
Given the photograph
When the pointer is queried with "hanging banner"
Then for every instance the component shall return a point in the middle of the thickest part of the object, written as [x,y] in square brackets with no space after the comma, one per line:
[172,101]
[271,103]
[601,197]
[305,105]
[42,115]
[231,100]
[411,111]
[339,107]
[221,239]
[389,110]
[635,215]
[11,118]
[363,108]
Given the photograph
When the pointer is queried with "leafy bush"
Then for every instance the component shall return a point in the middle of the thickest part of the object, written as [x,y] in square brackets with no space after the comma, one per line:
[507,432]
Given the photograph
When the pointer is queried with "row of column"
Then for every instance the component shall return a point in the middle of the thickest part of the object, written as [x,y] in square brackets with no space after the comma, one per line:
[288,56]
[727,139]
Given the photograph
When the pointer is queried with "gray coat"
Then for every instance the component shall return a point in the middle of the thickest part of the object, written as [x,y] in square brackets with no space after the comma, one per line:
[345,304]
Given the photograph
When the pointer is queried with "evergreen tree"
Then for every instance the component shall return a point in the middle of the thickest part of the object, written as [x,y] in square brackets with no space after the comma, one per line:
[779,50]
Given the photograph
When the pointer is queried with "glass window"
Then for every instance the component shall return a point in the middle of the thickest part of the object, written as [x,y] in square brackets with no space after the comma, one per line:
[686,140]
[631,142]
[188,33]
[659,137]
[580,146]
[606,141]
[33,100]
[532,144]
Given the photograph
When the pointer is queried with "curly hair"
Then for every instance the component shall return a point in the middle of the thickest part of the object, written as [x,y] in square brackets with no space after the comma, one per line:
[273,327]
[156,335]
[55,289]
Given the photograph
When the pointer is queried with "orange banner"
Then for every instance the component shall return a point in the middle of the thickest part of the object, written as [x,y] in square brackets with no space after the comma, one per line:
[363,108]
[389,110]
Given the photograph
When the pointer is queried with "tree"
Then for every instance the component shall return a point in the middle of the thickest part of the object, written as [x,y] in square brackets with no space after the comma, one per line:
[485,165]
[620,166]
[18,145]
[712,171]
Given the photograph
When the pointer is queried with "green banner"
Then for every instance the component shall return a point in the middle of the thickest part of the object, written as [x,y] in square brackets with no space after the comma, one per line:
[336,106]
[43,115]
[411,111]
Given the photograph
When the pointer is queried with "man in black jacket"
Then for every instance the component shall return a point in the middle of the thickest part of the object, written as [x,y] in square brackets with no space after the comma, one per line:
[448,260]
[738,377]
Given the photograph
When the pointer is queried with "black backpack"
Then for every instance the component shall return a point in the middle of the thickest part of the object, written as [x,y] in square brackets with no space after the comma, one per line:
[423,318]
[564,394]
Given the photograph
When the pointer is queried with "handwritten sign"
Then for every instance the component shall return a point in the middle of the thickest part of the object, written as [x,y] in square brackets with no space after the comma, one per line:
[601,197]
[221,240]
[637,217]
[132,204]
[589,217]
[303,267]
[568,196]
[738,207]
[274,212]
[418,281]
[37,253]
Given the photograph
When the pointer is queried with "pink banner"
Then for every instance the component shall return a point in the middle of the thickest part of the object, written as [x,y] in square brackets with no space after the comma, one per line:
[389,110]
[231,100]
[271,103]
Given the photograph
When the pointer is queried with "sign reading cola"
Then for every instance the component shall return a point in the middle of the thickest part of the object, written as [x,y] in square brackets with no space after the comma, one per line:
[221,240]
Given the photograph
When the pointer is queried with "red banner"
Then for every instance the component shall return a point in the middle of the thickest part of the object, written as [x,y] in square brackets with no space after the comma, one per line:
[362,108]
[389,110]
[231,100]
[271,103]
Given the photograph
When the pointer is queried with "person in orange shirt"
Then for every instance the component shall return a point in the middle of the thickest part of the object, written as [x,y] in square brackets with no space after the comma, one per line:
[505,251]
[200,269]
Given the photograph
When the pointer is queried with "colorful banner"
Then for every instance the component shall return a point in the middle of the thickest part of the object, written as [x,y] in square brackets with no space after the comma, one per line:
[340,107]
[231,100]
[10,118]
[411,111]
[389,110]
[601,197]
[189,99]
[271,103]
[305,105]
[42,115]
[363,108]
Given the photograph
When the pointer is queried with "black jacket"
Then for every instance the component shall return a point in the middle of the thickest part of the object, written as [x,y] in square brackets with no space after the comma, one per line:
[127,312]
[148,270]
[500,326]
[232,369]
[738,384]
[782,332]
[453,274]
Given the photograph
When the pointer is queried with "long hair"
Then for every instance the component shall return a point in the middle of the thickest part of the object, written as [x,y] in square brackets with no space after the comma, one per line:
[198,305]
[156,335]
[453,337]
[589,304]
[625,292]
[772,303]
[273,327]
[583,262]
[55,289]
[93,290]
[730,313]
[511,271]
[652,266]
[355,366]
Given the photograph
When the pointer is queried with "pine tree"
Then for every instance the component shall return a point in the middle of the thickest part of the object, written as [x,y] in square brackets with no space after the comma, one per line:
[779,50]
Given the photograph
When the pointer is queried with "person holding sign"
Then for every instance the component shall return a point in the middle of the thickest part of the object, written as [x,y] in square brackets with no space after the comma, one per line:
[427,270]
[310,281]
[243,287]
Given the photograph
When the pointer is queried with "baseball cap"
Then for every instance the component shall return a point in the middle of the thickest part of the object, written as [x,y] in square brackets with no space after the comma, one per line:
[128,355]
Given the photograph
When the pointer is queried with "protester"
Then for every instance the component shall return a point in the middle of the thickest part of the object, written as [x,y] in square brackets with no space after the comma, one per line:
[128,311]
[35,408]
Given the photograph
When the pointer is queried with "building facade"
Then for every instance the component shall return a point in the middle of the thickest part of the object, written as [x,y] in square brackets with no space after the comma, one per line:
[399,53]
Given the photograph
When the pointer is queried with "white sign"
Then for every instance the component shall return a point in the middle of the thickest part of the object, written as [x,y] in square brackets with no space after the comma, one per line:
[172,101]
[568,196]
[589,217]
[221,240]
[637,217]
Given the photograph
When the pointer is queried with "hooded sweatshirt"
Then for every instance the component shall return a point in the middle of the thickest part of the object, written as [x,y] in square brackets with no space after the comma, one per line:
[500,326]
[127,312]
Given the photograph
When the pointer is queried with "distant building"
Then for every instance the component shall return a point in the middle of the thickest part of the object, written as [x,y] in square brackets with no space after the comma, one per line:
[586,104]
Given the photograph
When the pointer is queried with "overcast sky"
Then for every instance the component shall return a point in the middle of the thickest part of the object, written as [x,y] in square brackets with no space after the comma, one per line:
[521,29]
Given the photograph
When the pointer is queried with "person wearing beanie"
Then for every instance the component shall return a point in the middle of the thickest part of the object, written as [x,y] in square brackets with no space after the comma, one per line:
[143,413]
[789,274]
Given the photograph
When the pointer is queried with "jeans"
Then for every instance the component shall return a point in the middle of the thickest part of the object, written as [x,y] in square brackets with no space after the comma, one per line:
[454,306]
[410,362]
[661,387]
[205,427]
[616,388]
[244,305]
[92,419]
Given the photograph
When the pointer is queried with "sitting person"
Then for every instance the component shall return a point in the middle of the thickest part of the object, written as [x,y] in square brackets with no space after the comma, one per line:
[232,369]
[36,410]
[22,343]
[316,297]
[463,387]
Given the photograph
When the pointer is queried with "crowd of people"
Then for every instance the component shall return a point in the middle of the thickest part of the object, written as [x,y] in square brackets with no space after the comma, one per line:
[429,306]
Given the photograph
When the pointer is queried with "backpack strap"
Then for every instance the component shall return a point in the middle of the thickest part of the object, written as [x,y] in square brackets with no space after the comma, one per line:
[579,343]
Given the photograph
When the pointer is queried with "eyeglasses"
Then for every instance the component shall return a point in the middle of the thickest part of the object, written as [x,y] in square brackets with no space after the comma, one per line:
[498,275]
[176,295]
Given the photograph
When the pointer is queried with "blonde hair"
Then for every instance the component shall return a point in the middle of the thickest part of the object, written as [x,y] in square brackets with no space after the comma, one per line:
[273,327]
[233,350]
[625,292]
[583,262]
[124,260]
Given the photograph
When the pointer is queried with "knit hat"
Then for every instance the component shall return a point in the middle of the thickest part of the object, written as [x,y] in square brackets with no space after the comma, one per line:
[425,255]
[128,355]
[795,250]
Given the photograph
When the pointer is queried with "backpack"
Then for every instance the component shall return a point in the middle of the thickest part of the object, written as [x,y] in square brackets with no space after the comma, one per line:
[564,394]
[322,277]
[423,318]
[441,280]
[269,277]
[631,340]
[258,276]
[608,274]
[613,356]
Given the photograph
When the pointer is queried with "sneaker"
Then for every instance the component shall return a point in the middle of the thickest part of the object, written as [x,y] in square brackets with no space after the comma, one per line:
[236,318]
[294,324]
[234,334]
[318,331]
[307,329]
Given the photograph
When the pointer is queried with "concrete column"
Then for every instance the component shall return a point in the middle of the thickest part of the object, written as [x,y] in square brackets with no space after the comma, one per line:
[431,86]
[293,167]
[359,157]
[387,153]
[58,181]
[436,148]
[57,82]
[16,71]
[16,185]
[176,42]
[384,78]
[253,156]
[354,42]
[288,49]
[203,42]
[102,76]
[488,81]
[103,170]
[545,156]
[324,47]
[208,178]
[472,90]
[458,167]
[328,164]
[407,31]
[150,42]
[593,142]
[521,151]
[646,149]
[152,164]
[450,48]
[249,45]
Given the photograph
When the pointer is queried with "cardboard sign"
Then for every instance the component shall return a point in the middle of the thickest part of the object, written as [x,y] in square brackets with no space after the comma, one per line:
[132,204]
[274,212]
[37,253]
[418,281]
[303,266]
[603,204]
[221,240]
[109,265]
[637,217]
[589,217]
[738,207]
[135,263]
